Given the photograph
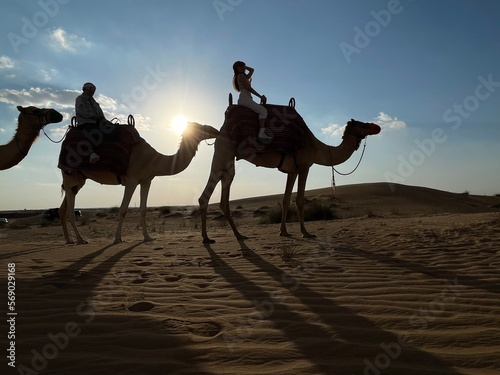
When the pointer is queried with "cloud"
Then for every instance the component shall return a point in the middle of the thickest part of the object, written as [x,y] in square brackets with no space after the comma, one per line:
[6,62]
[38,97]
[333,130]
[63,100]
[72,43]
[387,122]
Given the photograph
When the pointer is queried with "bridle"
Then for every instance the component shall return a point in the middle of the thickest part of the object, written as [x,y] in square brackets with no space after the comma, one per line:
[360,138]
[205,131]
[41,117]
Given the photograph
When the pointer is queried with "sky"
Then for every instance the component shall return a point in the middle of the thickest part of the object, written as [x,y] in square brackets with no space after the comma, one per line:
[426,71]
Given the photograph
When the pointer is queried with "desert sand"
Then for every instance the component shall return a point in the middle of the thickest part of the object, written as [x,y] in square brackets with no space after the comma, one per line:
[405,281]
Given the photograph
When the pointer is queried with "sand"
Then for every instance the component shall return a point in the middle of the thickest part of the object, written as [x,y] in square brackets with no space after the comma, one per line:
[405,281]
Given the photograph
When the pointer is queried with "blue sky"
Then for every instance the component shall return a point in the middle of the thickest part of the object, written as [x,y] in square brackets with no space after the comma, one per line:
[427,71]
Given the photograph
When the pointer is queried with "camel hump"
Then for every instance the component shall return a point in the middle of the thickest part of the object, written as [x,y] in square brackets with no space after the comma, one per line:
[114,146]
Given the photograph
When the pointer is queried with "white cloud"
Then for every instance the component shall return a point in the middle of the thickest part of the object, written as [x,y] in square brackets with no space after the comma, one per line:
[333,130]
[72,43]
[38,97]
[63,100]
[387,122]
[6,62]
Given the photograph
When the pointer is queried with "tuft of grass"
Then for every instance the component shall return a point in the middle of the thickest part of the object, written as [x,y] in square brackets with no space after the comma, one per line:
[496,218]
[289,251]
[395,211]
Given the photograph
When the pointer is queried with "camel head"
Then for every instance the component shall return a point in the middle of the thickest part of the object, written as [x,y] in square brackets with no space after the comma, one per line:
[361,129]
[199,132]
[39,117]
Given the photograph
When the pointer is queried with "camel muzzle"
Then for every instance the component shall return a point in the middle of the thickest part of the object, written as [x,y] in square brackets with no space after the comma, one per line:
[54,117]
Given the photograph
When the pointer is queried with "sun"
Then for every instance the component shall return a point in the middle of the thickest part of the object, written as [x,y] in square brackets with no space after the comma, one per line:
[179,123]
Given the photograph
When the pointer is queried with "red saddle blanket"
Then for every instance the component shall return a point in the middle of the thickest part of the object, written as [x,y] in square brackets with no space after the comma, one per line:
[114,148]
[283,124]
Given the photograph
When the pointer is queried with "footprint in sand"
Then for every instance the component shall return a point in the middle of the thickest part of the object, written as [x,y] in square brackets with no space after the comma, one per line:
[142,264]
[200,329]
[141,306]
[173,278]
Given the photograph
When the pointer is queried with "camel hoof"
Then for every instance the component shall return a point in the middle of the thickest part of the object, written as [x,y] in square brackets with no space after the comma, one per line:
[149,239]
[285,234]
[208,241]
[241,238]
[117,241]
[308,235]
[82,242]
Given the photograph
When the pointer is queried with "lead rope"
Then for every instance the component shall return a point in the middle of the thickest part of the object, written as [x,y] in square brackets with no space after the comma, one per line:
[345,174]
[59,141]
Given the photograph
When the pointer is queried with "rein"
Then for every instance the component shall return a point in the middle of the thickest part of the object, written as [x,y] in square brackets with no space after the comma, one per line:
[351,172]
[45,117]
[206,139]
[59,141]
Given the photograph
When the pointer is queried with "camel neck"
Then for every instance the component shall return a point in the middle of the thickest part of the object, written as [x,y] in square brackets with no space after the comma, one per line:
[172,164]
[17,149]
[333,155]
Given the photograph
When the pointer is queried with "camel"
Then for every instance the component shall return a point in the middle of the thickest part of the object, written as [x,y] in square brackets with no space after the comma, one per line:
[145,163]
[313,152]
[30,121]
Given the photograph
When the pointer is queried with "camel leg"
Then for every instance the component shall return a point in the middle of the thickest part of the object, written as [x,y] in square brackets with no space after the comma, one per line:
[68,209]
[227,179]
[290,181]
[301,188]
[222,162]
[63,211]
[144,205]
[127,196]
[204,199]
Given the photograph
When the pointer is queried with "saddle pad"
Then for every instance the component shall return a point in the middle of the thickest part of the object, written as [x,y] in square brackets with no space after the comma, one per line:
[114,151]
[283,124]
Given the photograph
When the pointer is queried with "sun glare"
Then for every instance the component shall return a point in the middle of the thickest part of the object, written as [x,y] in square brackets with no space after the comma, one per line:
[179,123]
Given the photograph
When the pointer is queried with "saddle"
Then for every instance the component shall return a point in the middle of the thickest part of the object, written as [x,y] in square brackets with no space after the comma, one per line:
[113,143]
[283,124]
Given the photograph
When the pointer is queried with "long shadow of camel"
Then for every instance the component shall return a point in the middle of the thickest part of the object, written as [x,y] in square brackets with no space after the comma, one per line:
[80,285]
[434,272]
[344,322]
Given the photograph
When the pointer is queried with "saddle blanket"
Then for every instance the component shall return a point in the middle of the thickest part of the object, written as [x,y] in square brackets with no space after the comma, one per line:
[283,124]
[113,146]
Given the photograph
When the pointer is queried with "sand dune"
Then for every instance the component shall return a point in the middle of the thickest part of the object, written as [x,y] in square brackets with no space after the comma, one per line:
[406,281]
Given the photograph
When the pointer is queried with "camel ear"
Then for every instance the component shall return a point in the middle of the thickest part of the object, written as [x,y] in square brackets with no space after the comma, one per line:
[19,108]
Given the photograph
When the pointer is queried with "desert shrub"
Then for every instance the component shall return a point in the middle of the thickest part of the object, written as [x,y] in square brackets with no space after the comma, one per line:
[318,211]
[165,210]
[312,212]
[274,215]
